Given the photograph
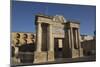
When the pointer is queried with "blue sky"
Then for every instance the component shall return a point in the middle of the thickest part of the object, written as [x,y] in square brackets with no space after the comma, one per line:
[23,15]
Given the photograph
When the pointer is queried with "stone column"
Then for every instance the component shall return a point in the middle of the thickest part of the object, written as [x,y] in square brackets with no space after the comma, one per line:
[39,55]
[72,38]
[80,49]
[76,39]
[39,37]
[79,38]
[69,39]
[74,52]
[50,44]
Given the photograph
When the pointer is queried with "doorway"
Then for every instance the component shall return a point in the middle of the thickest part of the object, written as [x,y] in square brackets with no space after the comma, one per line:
[58,47]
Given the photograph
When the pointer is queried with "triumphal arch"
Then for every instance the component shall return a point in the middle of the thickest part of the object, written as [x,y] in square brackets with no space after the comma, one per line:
[56,38]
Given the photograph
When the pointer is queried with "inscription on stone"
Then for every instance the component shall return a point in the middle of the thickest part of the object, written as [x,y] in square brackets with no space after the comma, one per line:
[58,31]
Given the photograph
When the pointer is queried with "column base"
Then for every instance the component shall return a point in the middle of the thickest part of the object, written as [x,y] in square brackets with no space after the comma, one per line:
[50,55]
[81,52]
[75,53]
[40,57]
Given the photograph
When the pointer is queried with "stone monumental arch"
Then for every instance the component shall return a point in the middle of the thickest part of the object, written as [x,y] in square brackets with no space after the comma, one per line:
[54,32]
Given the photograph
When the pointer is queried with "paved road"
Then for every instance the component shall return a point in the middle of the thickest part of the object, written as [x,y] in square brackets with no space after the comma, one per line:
[66,60]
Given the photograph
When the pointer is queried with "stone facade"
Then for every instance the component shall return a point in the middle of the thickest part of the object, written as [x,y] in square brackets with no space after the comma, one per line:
[53,28]
[88,44]
[55,38]
[21,36]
